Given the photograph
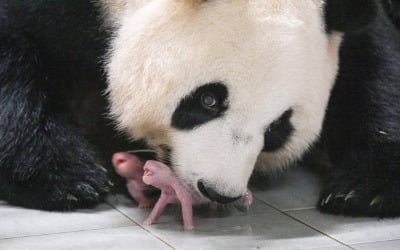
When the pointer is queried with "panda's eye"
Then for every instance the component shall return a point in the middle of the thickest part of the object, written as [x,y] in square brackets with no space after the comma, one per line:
[206,103]
[208,100]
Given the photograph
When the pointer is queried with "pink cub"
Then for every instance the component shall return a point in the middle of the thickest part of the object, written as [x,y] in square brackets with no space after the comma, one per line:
[160,176]
[154,174]
[131,168]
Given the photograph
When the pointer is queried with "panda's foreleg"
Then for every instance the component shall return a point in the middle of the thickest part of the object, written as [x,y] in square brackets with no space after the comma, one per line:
[362,125]
[44,162]
[365,178]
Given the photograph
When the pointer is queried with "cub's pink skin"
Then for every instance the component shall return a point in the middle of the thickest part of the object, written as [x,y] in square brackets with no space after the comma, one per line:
[160,176]
[142,177]
[247,199]
[131,168]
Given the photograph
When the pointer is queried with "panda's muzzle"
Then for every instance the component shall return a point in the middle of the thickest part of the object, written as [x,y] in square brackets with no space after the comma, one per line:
[213,195]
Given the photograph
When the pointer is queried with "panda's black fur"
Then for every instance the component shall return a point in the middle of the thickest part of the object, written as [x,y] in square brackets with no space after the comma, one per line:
[54,136]
[361,130]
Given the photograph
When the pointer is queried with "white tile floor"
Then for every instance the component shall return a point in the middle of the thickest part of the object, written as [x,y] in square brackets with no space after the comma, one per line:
[283,217]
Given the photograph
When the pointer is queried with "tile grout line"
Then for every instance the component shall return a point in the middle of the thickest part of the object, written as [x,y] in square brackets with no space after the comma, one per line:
[67,232]
[139,225]
[371,242]
[297,209]
[305,224]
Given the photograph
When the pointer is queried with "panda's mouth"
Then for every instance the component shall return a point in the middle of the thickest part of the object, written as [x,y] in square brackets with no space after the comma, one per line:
[213,195]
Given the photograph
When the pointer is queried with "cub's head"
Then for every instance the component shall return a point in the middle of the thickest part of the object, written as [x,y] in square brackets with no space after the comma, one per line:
[212,84]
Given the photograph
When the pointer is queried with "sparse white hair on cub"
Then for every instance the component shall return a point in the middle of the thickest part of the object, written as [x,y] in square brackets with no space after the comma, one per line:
[271,55]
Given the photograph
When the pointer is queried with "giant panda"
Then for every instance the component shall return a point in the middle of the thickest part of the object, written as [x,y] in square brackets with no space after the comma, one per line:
[219,89]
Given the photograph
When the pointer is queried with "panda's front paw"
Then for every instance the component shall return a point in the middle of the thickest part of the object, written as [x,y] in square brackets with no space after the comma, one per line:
[84,187]
[355,194]
[71,187]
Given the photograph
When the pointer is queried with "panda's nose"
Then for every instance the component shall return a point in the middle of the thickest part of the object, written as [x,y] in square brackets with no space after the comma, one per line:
[213,195]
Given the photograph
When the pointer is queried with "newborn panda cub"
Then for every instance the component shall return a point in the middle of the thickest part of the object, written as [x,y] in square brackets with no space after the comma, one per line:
[143,177]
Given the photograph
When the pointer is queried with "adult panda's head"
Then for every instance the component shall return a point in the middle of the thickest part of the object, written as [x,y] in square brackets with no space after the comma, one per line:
[212,84]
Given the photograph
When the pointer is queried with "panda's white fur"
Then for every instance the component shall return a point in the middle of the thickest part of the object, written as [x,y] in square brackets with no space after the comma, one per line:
[272,56]
[114,9]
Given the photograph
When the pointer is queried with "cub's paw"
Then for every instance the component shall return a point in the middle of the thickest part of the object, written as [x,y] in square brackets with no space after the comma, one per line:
[355,194]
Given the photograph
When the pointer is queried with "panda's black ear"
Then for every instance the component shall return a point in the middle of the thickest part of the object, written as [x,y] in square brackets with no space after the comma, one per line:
[349,15]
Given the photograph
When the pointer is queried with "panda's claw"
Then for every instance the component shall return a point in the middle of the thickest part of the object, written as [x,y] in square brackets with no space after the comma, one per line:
[350,195]
[339,195]
[328,199]
[72,197]
[101,167]
[361,196]
[375,201]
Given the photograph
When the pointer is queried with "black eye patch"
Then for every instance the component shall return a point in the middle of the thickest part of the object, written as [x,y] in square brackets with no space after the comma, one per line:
[206,103]
[278,133]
